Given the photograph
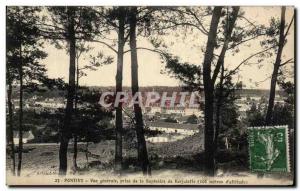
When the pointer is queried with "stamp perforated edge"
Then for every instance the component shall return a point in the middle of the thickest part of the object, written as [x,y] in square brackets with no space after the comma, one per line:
[285,127]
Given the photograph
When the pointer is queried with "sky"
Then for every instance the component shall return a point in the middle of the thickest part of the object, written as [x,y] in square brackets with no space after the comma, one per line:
[187,49]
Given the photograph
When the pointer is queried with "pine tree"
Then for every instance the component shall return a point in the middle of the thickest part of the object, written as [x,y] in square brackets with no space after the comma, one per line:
[68,24]
[23,56]
[279,45]
[139,124]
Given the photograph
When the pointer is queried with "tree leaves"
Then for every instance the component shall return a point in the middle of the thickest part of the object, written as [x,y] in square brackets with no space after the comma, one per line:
[189,74]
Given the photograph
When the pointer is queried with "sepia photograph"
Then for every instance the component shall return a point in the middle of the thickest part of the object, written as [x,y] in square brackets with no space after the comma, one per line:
[150,95]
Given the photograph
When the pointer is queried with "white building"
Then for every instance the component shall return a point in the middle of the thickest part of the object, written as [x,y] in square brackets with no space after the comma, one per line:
[184,129]
[171,131]
[164,139]
[27,136]
[50,104]
[174,110]
[177,110]
[155,109]
[193,111]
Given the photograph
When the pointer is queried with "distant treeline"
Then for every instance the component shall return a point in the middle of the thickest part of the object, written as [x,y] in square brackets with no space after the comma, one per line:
[56,93]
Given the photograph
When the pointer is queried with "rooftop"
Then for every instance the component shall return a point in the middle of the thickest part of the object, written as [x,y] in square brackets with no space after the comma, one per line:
[173,125]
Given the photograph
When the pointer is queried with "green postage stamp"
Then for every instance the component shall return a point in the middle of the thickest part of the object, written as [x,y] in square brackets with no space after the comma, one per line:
[269,149]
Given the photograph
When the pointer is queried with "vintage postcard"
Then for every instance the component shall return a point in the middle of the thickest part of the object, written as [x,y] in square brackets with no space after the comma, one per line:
[150,95]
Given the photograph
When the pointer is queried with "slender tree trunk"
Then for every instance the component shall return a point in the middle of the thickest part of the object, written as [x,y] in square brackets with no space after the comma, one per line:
[87,152]
[86,146]
[119,78]
[226,143]
[230,26]
[139,126]
[276,68]
[66,130]
[75,153]
[20,115]
[75,107]
[220,65]
[218,125]
[209,94]
[10,129]
[219,110]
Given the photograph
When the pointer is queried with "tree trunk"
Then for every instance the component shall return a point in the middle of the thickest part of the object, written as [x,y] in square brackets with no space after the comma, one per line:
[75,153]
[10,129]
[66,129]
[276,69]
[218,125]
[220,65]
[20,115]
[75,108]
[87,152]
[119,78]
[228,32]
[219,110]
[209,94]
[139,126]
[226,143]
